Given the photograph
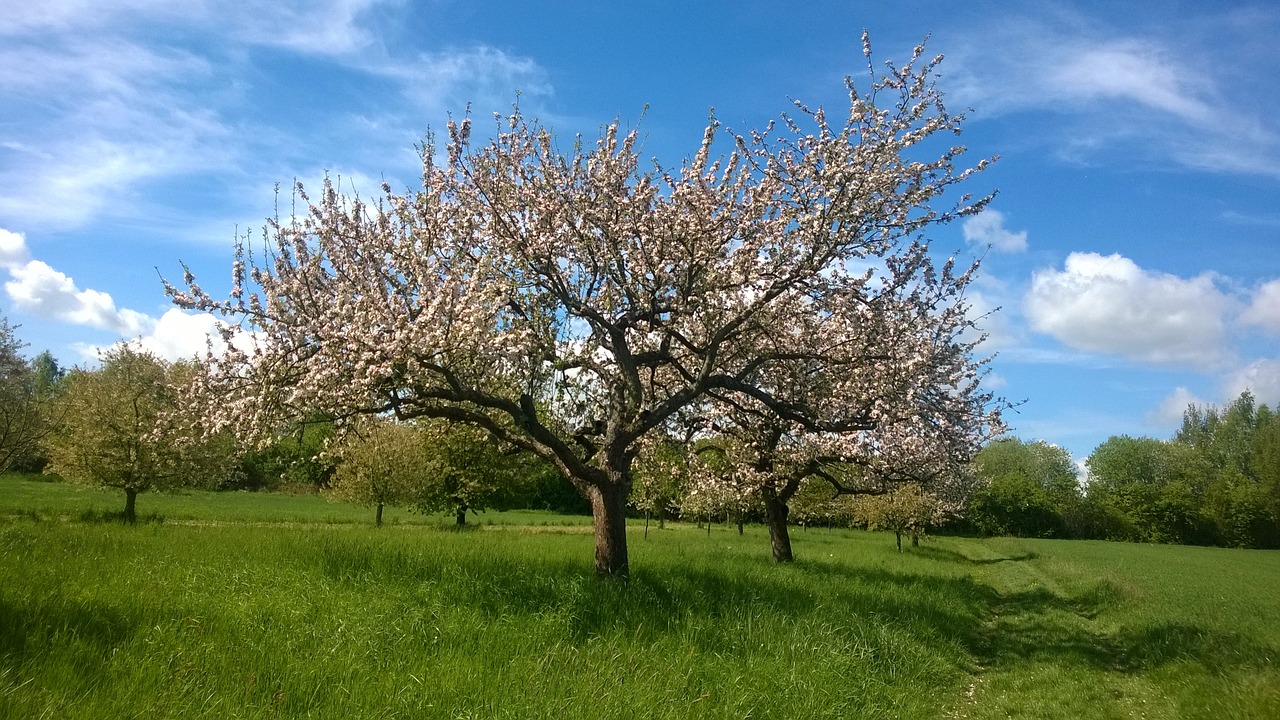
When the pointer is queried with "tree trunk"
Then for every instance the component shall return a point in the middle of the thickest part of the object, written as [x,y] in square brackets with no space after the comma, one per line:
[898,534]
[775,516]
[646,524]
[377,521]
[130,506]
[609,511]
[740,524]
[915,539]
[460,516]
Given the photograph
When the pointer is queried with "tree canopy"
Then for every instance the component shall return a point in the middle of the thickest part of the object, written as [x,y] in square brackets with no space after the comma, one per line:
[24,417]
[118,430]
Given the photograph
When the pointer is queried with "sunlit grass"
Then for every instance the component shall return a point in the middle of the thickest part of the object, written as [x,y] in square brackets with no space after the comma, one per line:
[280,615]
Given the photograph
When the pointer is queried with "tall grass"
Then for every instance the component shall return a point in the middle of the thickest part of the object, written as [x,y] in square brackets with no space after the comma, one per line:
[300,619]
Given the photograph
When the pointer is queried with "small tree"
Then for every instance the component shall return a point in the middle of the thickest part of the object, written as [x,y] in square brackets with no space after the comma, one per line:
[119,430]
[466,470]
[428,464]
[661,479]
[905,509]
[379,463]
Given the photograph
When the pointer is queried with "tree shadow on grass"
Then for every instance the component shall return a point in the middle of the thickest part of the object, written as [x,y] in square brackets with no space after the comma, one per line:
[27,630]
[709,606]
[943,554]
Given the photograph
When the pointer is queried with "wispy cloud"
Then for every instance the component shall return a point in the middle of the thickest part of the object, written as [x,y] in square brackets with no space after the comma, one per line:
[97,104]
[1156,91]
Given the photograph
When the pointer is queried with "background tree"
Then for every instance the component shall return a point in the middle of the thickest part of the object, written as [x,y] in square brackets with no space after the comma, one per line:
[662,476]
[466,470]
[904,509]
[379,463]
[571,305]
[816,504]
[118,430]
[1147,489]
[1030,489]
[25,391]
[293,459]
[1238,453]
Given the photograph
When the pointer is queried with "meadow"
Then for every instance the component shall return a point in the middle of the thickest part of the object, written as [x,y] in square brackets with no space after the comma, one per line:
[239,605]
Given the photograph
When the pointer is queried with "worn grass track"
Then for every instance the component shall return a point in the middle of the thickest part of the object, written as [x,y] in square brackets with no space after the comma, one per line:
[288,618]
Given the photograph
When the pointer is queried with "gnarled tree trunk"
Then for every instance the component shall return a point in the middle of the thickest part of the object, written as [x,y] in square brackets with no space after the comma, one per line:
[775,516]
[130,505]
[609,511]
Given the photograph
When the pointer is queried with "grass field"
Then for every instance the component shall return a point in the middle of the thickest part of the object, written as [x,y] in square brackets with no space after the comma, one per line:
[256,606]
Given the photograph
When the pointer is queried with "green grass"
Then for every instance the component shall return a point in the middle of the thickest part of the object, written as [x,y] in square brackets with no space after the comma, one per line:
[259,606]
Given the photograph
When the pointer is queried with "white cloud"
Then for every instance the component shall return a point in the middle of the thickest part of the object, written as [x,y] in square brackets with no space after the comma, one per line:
[13,249]
[1133,71]
[179,335]
[1264,311]
[1156,92]
[490,78]
[36,287]
[40,289]
[1169,411]
[1107,304]
[313,26]
[987,229]
[1261,377]
[104,105]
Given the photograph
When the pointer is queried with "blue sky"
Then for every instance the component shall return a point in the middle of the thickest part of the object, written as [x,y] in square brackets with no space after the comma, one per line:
[1133,250]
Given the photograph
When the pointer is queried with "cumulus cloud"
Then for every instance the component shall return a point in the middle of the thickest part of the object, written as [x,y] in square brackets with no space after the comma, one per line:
[1108,304]
[36,287]
[180,335]
[1261,377]
[13,249]
[987,229]
[40,289]
[1264,311]
[1169,411]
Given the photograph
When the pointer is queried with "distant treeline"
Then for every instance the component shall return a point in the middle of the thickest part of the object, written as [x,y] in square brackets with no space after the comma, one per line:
[1216,482]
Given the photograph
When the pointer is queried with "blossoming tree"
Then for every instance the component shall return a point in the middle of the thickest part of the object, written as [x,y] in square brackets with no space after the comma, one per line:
[572,304]
[875,390]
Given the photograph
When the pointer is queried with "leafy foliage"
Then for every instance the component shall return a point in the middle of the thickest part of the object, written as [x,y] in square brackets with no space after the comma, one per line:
[1030,489]
[1217,482]
[118,430]
[25,392]
[905,509]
